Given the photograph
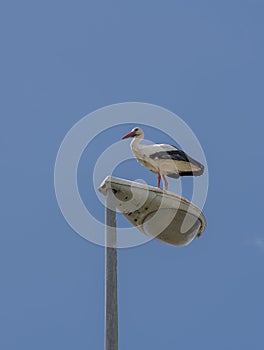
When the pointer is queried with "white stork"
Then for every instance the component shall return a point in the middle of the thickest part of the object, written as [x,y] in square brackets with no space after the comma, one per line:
[164,160]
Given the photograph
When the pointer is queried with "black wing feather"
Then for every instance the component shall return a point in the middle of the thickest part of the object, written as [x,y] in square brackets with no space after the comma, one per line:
[180,156]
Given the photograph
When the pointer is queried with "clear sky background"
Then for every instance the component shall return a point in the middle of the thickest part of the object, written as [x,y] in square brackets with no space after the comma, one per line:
[61,60]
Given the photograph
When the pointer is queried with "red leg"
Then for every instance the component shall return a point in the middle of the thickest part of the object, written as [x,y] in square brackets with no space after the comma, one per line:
[159,177]
[165,182]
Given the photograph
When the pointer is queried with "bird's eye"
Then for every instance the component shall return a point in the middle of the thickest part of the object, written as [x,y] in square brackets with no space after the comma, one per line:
[136,129]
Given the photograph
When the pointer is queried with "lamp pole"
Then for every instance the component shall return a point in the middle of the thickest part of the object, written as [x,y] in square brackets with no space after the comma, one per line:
[185,213]
[111,304]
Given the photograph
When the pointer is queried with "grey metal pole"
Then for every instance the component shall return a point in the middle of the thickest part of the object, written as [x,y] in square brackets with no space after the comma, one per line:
[111,305]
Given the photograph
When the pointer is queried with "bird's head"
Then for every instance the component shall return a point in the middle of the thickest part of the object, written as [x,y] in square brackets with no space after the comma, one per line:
[136,132]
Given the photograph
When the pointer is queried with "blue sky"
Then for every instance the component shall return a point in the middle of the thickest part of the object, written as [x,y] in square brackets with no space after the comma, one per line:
[203,60]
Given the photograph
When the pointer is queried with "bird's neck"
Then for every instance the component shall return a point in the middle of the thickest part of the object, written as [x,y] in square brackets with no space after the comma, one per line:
[135,143]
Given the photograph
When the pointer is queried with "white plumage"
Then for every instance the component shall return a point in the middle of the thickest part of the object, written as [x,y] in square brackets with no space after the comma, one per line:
[164,160]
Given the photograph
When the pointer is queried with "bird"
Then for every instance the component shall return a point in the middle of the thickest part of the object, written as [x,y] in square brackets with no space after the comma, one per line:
[162,159]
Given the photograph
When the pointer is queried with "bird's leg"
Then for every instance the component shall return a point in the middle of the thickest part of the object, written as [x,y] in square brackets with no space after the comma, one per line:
[165,182]
[159,177]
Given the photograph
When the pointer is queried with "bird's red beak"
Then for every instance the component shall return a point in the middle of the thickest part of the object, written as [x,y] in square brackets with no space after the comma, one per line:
[130,134]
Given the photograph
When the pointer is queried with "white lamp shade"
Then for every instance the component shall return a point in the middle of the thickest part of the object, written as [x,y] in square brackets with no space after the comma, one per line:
[160,214]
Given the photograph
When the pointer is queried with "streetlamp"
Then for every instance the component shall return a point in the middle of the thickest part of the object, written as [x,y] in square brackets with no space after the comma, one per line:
[163,215]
